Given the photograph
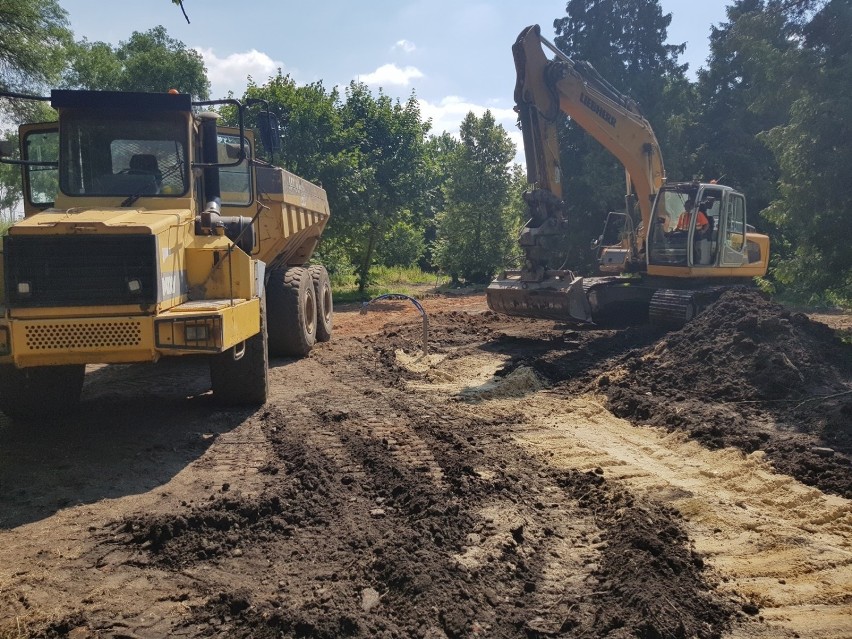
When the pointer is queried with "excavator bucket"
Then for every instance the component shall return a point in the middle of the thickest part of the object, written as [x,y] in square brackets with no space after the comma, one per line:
[553,298]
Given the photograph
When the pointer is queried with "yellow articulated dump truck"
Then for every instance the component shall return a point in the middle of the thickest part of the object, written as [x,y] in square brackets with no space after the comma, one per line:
[150,232]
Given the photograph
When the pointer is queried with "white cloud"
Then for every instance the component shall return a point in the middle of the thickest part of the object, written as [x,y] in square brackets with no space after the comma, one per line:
[404,45]
[391,75]
[447,115]
[450,111]
[230,73]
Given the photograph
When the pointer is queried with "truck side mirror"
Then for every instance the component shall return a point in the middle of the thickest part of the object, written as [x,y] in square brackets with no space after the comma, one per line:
[270,131]
[8,148]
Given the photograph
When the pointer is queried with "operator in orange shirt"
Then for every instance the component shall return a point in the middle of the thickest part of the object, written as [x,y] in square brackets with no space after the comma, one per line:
[701,222]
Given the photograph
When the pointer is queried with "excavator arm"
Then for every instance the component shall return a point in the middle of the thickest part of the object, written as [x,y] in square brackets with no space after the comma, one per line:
[545,88]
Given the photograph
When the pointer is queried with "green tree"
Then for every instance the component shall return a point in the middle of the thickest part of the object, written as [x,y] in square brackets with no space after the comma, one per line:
[150,61]
[814,153]
[439,150]
[476,228]
[747,55]
[34,37]
[625,40]
[10,186]
[386,143]
[403,244]
[315,147]
[310,123]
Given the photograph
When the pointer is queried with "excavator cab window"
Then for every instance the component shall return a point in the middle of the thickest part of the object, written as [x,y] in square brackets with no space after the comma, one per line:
[733,246]
[706,240]
[667,245]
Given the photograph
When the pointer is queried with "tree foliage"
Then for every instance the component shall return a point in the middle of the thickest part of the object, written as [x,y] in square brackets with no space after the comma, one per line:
[747,54]
[814,152]
[475,230]
[389,172]
[150,61]
[33,37]
[403,244]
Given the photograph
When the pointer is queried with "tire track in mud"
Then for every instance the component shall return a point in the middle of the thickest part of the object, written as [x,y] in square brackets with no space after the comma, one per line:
[782,545]
[403,517]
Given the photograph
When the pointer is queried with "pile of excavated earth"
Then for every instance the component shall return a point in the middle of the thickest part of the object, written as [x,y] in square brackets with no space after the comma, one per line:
[749,374]
[484,489]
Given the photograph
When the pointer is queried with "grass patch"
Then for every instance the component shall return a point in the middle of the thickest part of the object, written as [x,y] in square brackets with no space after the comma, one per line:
[383,280]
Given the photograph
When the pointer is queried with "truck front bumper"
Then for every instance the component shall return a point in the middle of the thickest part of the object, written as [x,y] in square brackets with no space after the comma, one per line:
[208,326]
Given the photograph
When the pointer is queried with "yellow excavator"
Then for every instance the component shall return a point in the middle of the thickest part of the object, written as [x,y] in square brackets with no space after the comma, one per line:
[676,247]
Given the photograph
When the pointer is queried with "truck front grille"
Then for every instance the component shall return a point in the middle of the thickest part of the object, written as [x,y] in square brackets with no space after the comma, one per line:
[74,270]
[71,336]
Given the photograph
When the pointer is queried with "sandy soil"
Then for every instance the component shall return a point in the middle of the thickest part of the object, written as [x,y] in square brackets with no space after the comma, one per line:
[486,489]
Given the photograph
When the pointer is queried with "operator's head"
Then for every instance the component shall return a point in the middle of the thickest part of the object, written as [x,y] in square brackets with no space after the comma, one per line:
[689,204]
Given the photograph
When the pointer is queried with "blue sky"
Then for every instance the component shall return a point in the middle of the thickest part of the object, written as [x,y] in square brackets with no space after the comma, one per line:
[455,55]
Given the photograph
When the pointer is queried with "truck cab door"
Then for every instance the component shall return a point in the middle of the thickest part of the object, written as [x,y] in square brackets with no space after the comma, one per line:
[40,143]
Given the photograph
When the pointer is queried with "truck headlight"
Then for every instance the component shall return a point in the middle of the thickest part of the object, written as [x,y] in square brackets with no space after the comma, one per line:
[24,288]
[134,286]
[196,333]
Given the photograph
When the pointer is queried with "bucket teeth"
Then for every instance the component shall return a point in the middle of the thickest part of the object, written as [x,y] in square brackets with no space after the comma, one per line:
[554,299]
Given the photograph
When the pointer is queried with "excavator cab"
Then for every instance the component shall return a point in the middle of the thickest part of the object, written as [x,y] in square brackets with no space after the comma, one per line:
[685,223]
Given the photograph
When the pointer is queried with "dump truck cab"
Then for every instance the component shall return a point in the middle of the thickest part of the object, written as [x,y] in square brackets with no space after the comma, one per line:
[150,232]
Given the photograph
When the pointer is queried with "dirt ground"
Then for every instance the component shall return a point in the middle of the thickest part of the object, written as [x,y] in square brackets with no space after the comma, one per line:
[522,479]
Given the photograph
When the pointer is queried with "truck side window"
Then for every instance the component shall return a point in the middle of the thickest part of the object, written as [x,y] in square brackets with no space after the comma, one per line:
[42,181]
[234,181]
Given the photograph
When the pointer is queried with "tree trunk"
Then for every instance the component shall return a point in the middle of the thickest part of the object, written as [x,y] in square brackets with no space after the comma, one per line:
[364,267]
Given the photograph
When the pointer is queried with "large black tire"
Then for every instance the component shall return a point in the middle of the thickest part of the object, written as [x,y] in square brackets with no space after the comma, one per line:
[40,392]
[292,305]
[325,303]
[243,381]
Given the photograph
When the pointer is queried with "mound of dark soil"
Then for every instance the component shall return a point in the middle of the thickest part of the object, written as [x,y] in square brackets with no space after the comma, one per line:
[750,374]
[745,347]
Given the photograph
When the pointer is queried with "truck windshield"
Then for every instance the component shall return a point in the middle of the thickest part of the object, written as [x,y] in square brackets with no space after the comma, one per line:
[123,154]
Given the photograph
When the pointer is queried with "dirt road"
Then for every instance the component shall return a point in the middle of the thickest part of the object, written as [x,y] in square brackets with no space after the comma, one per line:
[487,489]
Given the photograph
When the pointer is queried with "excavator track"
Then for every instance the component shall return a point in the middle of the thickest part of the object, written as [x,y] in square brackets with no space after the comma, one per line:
[672,308]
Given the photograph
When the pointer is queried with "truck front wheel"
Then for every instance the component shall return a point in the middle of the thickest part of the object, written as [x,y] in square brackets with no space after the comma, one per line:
[240,375]
[292,312]
[40,392]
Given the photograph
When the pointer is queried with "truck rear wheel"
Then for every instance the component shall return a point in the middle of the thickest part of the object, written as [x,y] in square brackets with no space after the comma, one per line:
[240,375]
[325,304]
[40,392]
[292,312]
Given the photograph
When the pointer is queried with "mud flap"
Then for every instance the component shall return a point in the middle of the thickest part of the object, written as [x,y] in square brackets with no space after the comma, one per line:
[555,299]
